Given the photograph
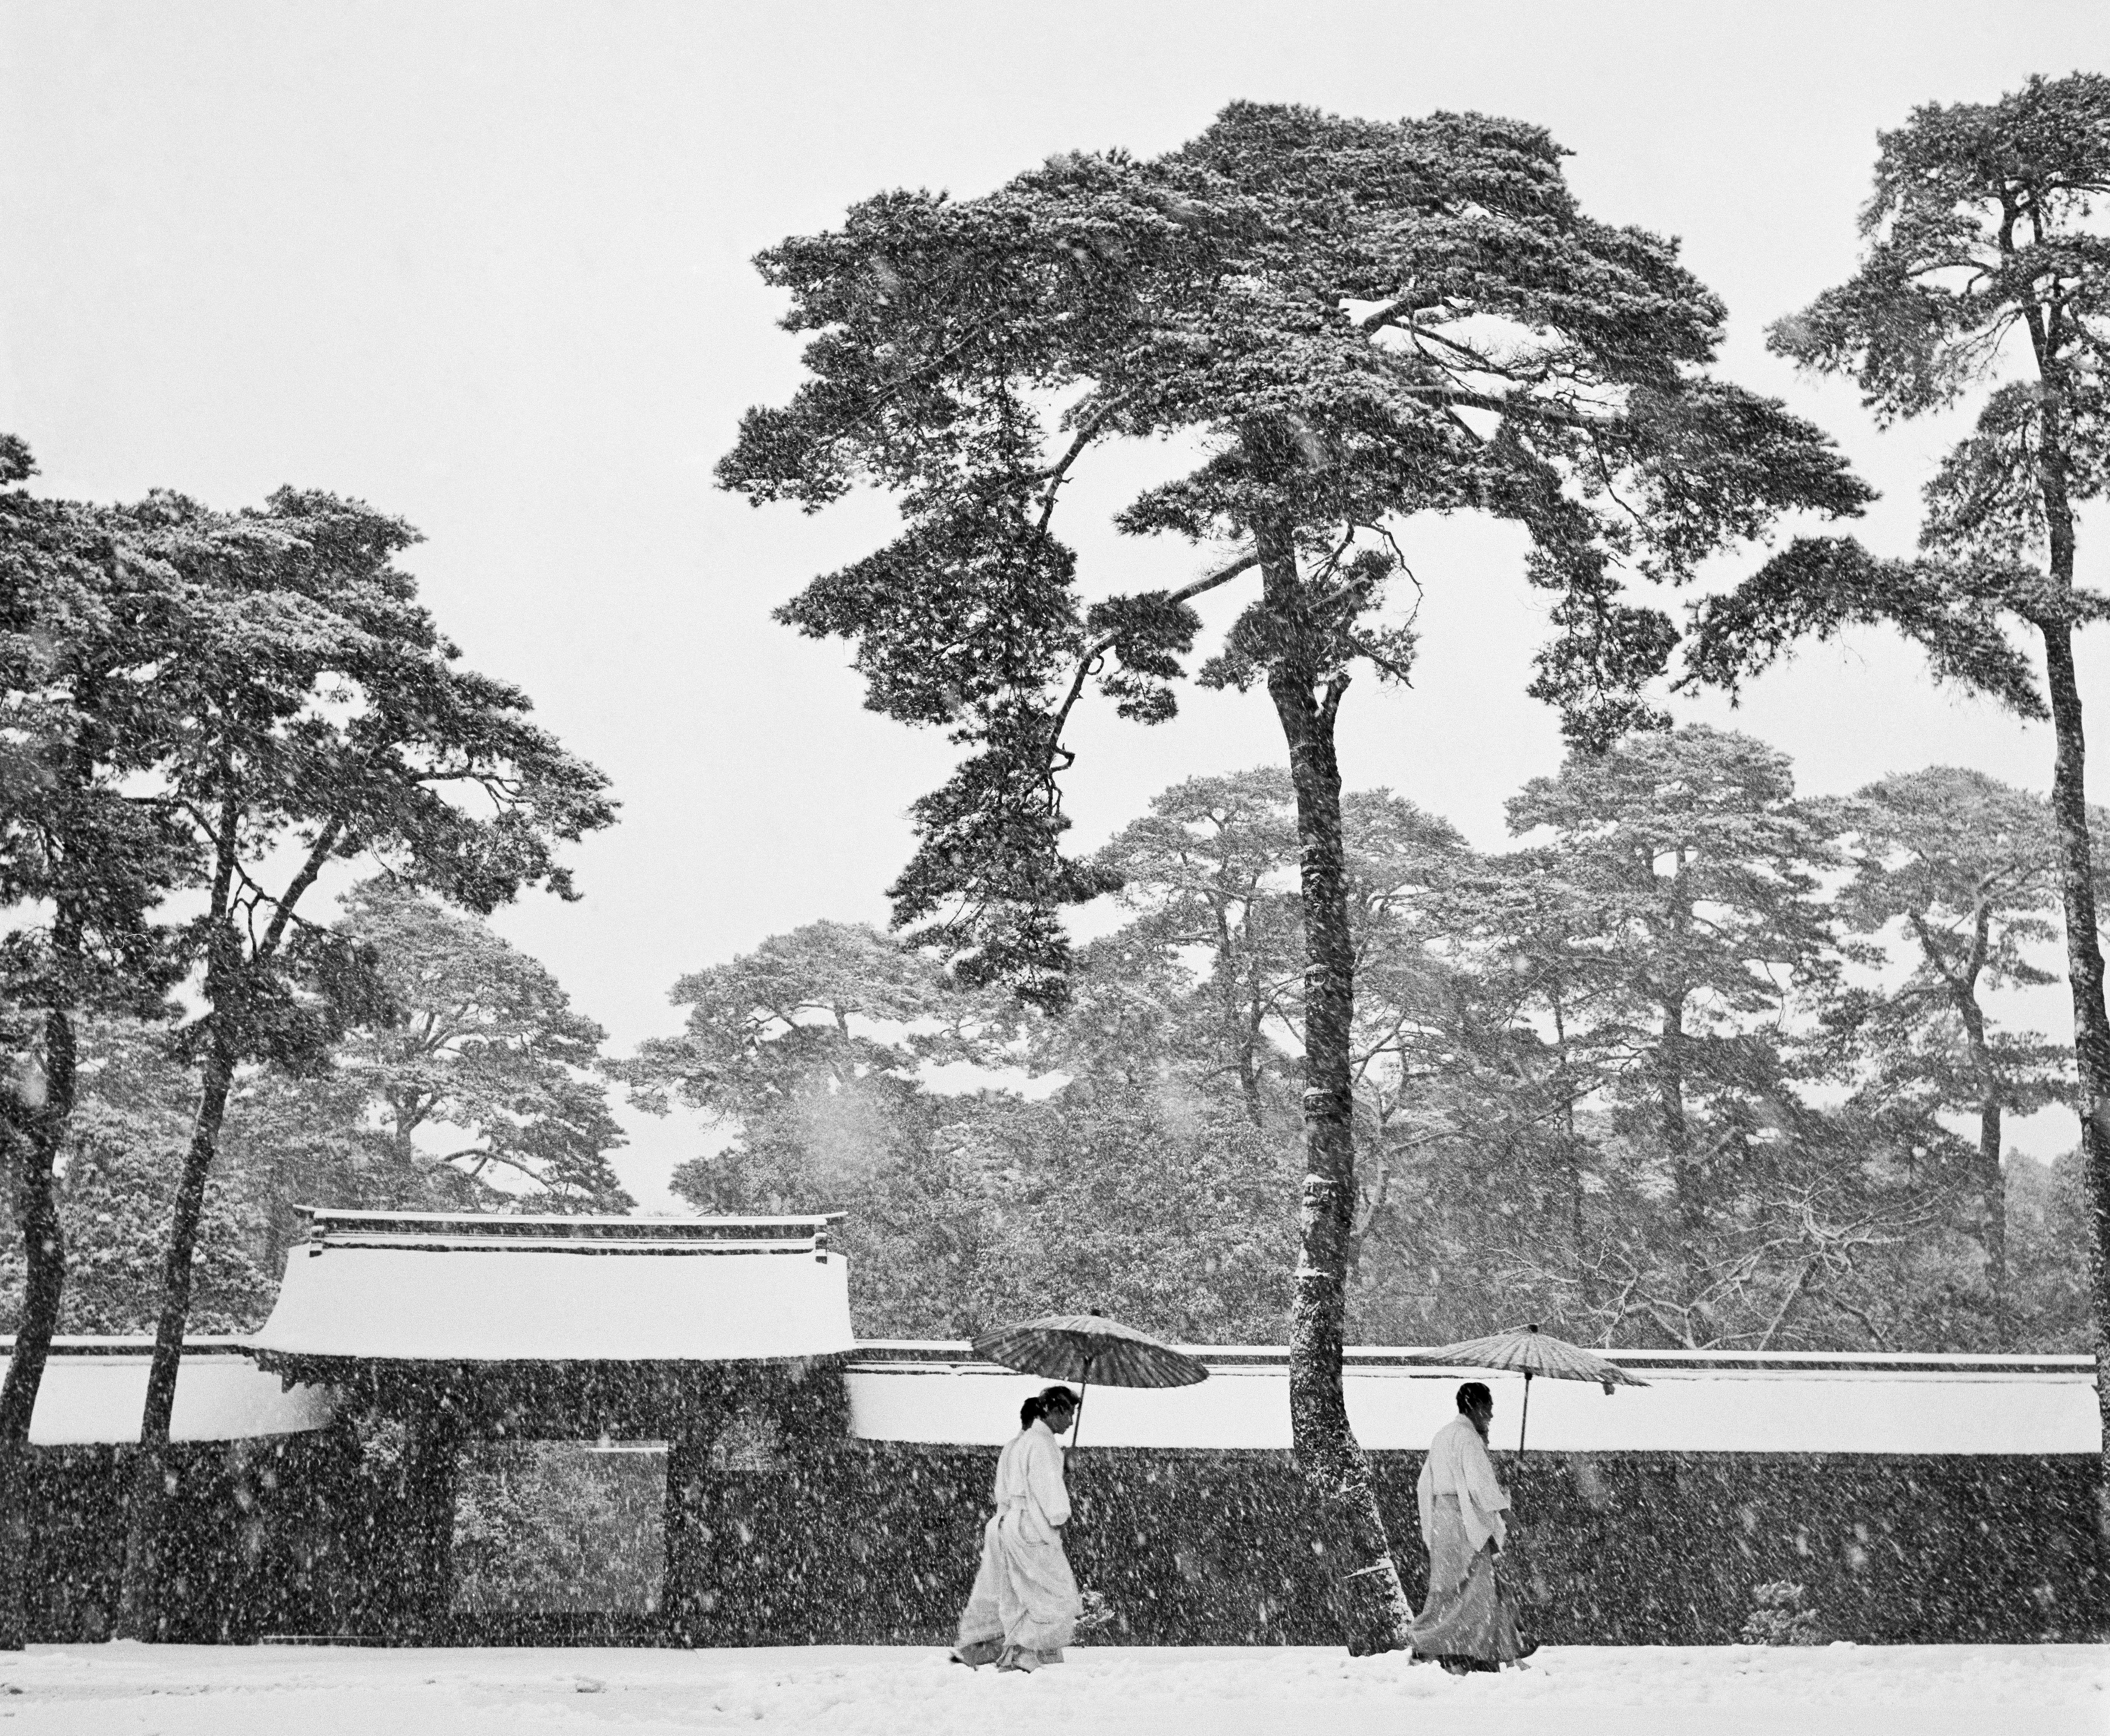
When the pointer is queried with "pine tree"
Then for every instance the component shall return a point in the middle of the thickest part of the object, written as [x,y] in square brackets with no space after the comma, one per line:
[1988,262]
[1357,321]
[84,864]
[321,718]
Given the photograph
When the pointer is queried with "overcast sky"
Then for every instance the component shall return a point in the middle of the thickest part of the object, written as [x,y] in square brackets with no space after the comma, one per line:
[486,266]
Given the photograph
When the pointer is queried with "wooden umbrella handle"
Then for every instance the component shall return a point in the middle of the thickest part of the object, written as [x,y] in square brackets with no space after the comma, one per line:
[1077,1427]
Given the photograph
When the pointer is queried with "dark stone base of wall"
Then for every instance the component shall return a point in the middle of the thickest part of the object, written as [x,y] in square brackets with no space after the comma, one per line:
[1216,1549]
[266,1542]
[859,1543]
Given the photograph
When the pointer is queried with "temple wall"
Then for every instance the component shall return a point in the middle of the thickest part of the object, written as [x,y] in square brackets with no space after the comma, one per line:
[876,1543]
[786,1527]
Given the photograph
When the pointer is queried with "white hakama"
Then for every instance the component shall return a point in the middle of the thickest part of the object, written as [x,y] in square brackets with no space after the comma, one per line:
[1024,1606]
[1468,1620]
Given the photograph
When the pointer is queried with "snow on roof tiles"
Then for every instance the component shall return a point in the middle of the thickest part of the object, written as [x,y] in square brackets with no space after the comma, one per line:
[392,1286]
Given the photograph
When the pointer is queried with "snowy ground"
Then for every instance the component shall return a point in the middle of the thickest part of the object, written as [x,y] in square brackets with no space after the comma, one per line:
[1720,1691]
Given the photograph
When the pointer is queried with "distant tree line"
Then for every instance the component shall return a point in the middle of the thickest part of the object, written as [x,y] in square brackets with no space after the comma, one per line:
[484,1091]
[1703,1064]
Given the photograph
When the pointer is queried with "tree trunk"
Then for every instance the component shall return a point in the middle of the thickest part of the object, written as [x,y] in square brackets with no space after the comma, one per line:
[2084,962]
[1993,1201]
[1571,1152]
[147,1516]
[1686,1179]
[2077,872]
[1992,1184]
[1685,1173]
[1241,1023]
[1371,1605]
[1962,983]
[37,1132]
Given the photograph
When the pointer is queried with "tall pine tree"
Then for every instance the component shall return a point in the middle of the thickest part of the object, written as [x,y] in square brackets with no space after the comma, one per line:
[1357,322]
[322,718]
[1988,265]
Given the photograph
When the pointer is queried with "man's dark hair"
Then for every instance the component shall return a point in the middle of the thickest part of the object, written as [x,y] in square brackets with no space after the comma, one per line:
[1473,1395]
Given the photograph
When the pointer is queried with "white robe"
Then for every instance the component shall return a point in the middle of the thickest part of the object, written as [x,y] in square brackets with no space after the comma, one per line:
[1029,1483]
[1025,1600]
[1458,1465]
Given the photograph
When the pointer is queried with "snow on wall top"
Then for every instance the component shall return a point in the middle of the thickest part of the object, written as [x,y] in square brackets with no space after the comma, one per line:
[94,1389]
[484,1287]
[1699,1402]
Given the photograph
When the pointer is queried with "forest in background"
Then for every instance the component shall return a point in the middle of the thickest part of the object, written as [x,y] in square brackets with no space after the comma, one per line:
[1803,1007]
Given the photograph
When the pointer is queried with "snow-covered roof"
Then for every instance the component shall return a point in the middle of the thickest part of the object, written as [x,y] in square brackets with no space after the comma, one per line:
[485,1287]
[94,1389]
[1720,1402]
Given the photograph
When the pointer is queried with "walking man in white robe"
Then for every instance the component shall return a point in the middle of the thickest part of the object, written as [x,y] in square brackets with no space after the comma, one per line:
[1467,1623]
[1024,1606]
